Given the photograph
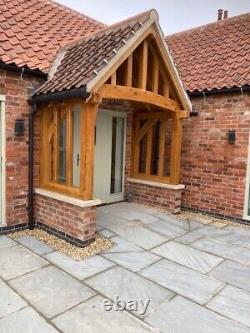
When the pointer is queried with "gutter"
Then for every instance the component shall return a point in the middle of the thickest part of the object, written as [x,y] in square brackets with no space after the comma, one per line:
[219,91]
[61,96]
[35,101]
[23,70]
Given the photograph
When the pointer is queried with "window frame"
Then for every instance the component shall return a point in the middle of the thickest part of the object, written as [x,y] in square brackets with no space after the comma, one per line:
[49,181]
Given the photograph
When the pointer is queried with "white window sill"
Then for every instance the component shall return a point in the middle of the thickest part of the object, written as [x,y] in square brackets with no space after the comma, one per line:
[156,184]
[67,199]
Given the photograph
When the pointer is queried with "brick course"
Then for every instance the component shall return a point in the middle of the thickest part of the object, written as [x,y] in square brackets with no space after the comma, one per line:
[17,90]
[213,170]
[69,219]
[155,196]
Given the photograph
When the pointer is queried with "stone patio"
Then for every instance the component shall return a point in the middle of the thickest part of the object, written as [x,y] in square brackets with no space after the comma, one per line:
[196,277]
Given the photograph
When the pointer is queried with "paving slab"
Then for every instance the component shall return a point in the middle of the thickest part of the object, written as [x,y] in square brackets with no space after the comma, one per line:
[233,303]
[134,261]
[122,245]
[110,222]
[185,224]
[16,261]
[183,280]
[91,317]
[9,300]
[168,229]
[187,256]
[26,320]
[129,286]
[183,316]
[139,235]
[81,269]
[188,238]
[34,245]
[130,211]
[5,241]
[233,273]
[106,233]
[51,291]
[225,250]
[238,236]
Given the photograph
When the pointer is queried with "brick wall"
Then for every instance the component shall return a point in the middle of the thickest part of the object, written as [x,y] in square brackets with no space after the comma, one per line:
[155,196]
[17,89]
[70,221]
[213,170]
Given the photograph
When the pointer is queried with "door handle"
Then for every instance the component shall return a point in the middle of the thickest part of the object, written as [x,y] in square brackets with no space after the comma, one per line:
[77,159]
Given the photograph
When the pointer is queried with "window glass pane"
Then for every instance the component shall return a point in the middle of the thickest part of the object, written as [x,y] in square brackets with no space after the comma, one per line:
[155,148]
[117,155]
[76,146]
[62,148]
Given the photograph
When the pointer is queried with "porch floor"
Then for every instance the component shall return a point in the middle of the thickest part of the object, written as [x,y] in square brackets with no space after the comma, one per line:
[195,276]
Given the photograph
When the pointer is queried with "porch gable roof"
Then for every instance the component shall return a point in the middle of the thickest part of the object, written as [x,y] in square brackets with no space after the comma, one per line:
[85,63]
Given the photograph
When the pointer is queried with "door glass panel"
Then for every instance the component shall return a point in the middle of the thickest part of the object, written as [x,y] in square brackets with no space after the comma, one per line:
[76,146]
[117,155]
[62,148]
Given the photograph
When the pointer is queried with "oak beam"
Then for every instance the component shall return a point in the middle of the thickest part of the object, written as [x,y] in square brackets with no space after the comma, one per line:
[176,151]
[139,95]
[143,66]
[143,131]
[129,71]
[113,79]
[88,122]
[162,148]
[155,76]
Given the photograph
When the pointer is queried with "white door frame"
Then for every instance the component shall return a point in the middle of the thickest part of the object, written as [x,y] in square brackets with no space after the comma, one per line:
[117,196]
[2,161]
[247,187]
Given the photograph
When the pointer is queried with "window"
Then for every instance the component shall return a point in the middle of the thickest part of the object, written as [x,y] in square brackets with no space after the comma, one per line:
[151,150]
[63,134]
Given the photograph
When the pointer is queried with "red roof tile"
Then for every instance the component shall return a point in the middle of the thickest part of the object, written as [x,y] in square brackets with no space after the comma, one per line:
[213,56]
[32,31]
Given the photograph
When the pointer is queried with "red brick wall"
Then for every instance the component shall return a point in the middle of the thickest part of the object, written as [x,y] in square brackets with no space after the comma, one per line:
[213,170]
[17,90]
[155,196]
[72,220]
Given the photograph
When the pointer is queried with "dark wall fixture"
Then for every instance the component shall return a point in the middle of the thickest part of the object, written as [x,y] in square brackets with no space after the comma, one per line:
[19,127]
[194,114]
[231,136]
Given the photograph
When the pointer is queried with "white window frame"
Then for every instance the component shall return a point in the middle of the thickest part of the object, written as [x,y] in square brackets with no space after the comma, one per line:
[3,161]
[247,191]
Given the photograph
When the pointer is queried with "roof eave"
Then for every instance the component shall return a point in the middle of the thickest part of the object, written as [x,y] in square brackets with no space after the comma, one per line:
[60,96]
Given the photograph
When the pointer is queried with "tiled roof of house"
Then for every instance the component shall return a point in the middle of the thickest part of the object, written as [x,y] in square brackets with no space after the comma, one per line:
[32,31]
[213,56]
[80,61]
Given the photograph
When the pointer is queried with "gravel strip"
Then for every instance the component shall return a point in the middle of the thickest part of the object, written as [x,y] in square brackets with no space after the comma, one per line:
[99,245]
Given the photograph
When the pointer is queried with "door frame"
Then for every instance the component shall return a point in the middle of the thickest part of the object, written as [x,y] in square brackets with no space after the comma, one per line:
[3,160]
[247,186]
[117,196]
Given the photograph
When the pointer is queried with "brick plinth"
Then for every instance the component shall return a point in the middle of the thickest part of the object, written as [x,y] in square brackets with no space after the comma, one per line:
[76,224]
[155,196]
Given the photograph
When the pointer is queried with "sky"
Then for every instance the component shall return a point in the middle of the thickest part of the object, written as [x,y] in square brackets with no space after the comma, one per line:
[175,15]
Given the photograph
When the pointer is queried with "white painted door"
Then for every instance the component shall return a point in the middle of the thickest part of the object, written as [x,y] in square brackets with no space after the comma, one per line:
[109,156]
